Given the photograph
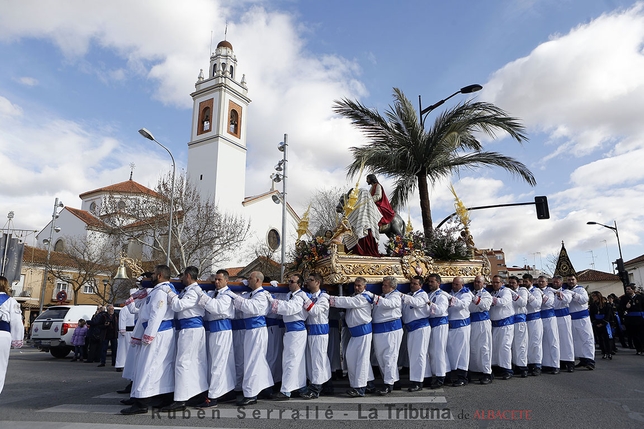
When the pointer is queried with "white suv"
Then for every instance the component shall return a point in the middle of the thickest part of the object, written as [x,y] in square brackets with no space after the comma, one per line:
[52,331]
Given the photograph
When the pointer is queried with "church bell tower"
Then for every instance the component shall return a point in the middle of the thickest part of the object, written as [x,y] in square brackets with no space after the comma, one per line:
[217,147]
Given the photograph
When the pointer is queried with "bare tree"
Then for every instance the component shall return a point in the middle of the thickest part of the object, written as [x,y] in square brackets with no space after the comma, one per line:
[202,235]
[80,262]
[323,215]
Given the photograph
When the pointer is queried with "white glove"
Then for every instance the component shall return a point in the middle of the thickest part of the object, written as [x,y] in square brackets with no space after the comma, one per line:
[203,300]
[135,341]
[244,282]
[494,300]
[274,283]
[405,298]
[232,294]
[324,295]
[307,303]
[270,298]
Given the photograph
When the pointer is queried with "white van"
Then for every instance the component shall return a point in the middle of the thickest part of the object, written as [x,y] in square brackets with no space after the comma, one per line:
[52,331]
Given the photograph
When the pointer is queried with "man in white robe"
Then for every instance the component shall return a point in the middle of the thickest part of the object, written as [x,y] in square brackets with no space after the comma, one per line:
[387,332]
[126,327]
[458,337]
[415,314]
[564,324]
[502,316]
[439,322]
[12,329]
[520,341]
[535,326]
[480,332]
[582,330]
[550,342]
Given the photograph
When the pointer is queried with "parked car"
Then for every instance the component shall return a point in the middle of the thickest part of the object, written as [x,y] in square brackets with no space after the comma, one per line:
[52,331]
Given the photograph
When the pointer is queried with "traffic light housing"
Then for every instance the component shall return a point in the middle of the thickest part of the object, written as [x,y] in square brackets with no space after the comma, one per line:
[621,272]
[541,203]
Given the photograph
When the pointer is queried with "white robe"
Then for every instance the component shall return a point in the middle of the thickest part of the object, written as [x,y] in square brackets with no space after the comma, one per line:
[535,327]
[358,355]
[318,365]
[416,309]
[502,336]
[481,334]
[386,345]
[582,330]
[257,373]
[129,370]
[155,363]
[10,313]
[520,341]
[437,357]
[294,351]
[126,319]
[458,338]
[221,356]
[566,345]
[550,344]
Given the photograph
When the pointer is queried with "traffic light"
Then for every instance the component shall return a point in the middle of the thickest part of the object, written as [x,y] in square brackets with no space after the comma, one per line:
[541,203]
[621,272]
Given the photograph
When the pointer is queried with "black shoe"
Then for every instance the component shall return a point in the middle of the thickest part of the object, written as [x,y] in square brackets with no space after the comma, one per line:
[281,397]
[415,388]
[128,401]
[570,368]
[127,389]
[73,360]
[436,384]
[524,374]
[506,376]
[370,390]
[579,365]
[309,395]
[459,383]
[555,371]
[119,369]
[485,380]
[590,366]
[385,391]
[175,406]
[246,401]
[353,393]
[610,357]
[100,365]
[536,372]
[134,409]
[208,403]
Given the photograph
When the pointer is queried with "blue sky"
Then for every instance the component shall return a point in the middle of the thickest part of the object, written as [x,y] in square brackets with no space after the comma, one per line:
[80,78]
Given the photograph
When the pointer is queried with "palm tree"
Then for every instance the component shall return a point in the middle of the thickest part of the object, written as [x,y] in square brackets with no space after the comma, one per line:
[401,148]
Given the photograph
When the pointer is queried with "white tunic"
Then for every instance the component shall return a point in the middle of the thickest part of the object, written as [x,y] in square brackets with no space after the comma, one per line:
[129,370]
[566,345]
[535,326]
[358,320]
[239,333]
[318,365]
[438,338]
[458,337]
[275,327]
[387,335]
[520,341]
[481,332]
[502,316]
[126,326]
[550,344]
[257,374]
[294,352]
[415,314]
[155,363]
[582,329]
[221,356]
[9,314]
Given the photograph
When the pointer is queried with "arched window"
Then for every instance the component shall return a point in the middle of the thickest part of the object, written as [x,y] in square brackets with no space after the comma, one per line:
[214,69]
[59,246]
[204,121]
[234,119]
[234,122]
[232,70]
[223,68]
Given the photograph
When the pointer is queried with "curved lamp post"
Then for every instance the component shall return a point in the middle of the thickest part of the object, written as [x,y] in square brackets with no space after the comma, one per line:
[424,112]
[614,229]
[57,204]
[148,135]
[281,176]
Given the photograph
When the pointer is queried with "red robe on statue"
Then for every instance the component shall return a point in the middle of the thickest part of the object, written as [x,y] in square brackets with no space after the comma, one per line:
[383,205]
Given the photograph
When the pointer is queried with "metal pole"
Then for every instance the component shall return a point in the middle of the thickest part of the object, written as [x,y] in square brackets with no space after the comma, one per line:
[44,278]
[167,259]
[619,246]
[283,268]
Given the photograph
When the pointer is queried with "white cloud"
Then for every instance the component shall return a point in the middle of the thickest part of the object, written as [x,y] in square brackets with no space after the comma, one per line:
[9,109]
[28,81]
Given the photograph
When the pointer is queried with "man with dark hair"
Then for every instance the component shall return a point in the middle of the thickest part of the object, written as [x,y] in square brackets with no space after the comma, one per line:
[438,302]
[458,337]
[535,326]
[502,316]
[582,329]
[550,343]
[415,315]
[219,313]
[564,325]
[380,198]
[520,341]
[481,332]
[318,365]
[294,352]
[632,306]
[155,362]
[191,364]
[387,332]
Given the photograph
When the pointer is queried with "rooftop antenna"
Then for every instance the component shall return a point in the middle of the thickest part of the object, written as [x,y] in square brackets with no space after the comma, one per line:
[210,42]
[226,31]
[132,167]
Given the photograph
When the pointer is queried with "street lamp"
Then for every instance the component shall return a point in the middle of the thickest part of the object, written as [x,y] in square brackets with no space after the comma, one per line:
[423,112]
[148,135]
[57,204]
[621,272]
[281,177]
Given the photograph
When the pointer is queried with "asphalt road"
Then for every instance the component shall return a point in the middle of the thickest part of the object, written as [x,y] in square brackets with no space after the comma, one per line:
[41,392]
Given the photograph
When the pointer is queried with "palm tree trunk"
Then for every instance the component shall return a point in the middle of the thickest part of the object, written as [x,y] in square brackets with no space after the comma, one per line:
[425,210]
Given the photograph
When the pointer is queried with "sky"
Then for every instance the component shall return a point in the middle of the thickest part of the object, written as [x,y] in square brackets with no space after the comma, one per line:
[79,78]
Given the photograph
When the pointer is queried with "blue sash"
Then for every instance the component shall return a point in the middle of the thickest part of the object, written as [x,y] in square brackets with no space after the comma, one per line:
[392,325]
[219,325]
[533,316]
[599,316]
[635,314]
[518,318]
[455,324]
[3,298]
[479,316]
[255,322]
[295,326]
[437,321]
[189,323]
[503,322]
[164,326]
[318,329]
[4,326]
[562,312]
[417,324]
[360,330]
[580,314]
[548,313]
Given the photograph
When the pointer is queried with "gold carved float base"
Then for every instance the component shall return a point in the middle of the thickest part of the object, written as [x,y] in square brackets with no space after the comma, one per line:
[338,268]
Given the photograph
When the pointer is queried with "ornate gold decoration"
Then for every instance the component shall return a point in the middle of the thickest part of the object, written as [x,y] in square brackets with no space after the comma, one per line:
[133,264]
[303,225]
